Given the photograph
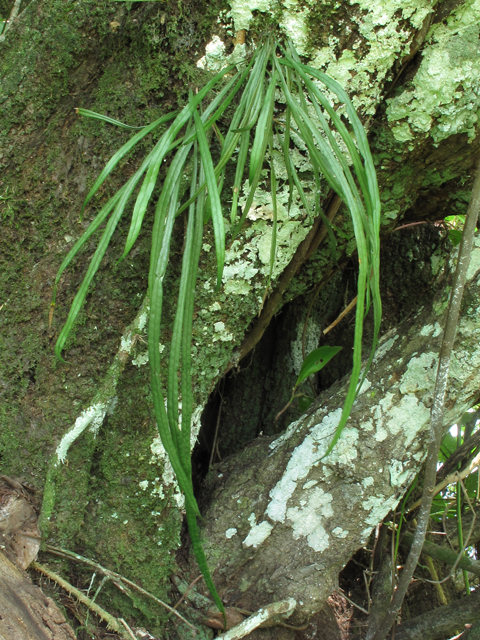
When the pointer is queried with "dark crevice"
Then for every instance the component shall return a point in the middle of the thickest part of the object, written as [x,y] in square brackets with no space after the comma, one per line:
[254,393]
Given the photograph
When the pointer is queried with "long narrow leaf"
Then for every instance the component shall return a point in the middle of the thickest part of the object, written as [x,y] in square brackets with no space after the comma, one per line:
[273,185]
[263,129]
[154,327]
[196,214]
[92,227]
[124,196]
[214,196]
[99,116]
[115,159]
[241,160]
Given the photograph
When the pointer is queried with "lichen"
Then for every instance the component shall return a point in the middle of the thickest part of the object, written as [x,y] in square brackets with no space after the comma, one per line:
[444,99]
[258,534]
[308,519]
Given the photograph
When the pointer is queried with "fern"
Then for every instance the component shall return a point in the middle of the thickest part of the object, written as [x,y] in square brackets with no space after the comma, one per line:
[186,138]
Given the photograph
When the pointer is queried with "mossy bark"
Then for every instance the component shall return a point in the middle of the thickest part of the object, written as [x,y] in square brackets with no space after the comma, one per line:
[116,499]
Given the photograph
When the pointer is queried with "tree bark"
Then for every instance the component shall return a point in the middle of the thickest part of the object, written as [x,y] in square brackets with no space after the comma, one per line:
[284,519]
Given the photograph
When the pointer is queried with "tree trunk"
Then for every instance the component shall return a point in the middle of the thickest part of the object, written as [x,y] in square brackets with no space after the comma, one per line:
[117,500]
[284,520]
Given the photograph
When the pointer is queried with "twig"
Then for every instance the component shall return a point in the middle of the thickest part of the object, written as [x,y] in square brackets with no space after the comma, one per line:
[107,617]
[437,412]
[187,591]
[341,316]
[281,609]
[58,551]
[357,606]
[130,633]
[453,477]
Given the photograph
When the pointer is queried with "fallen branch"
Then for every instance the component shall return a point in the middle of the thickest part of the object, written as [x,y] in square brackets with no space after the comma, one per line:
[112,623]
[444,554]
[441,622]
[115,578]
[273,613]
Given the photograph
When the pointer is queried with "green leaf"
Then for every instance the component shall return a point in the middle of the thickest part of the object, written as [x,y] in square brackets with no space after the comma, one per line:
[315,361]
[263,129]
[304,402]
[449,445]
[115,159]
[455,236]
[214,196]
[98,116]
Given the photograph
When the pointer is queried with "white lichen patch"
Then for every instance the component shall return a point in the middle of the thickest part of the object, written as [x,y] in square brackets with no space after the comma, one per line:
[378,506]
[140,360]
[126,343]
[397,474]
[143,485]
[384,348]
[307,455]
[420,374]
[367,426]
[380,434]
[258,534]
[242,11]
[410,417]
[338,532]
[307,520]
[426,330]
[92,417]
[159,456]
[386,28]
[366,384]
[142,321]
[313,334]
[367,482]
[474,265]
[222,333]
[273,446]
[214,58]
[229,533]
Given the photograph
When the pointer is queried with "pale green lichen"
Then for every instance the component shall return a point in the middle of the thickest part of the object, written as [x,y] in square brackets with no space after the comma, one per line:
[367,482]
[214,58]
[474,265]
[313,333]
[378,506]
[241,11]
[420,374]
[446,88]
[387,30]
[409,418]
[398,475]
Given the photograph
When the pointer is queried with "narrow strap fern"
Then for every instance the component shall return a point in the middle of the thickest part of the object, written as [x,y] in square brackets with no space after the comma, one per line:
[253,133]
